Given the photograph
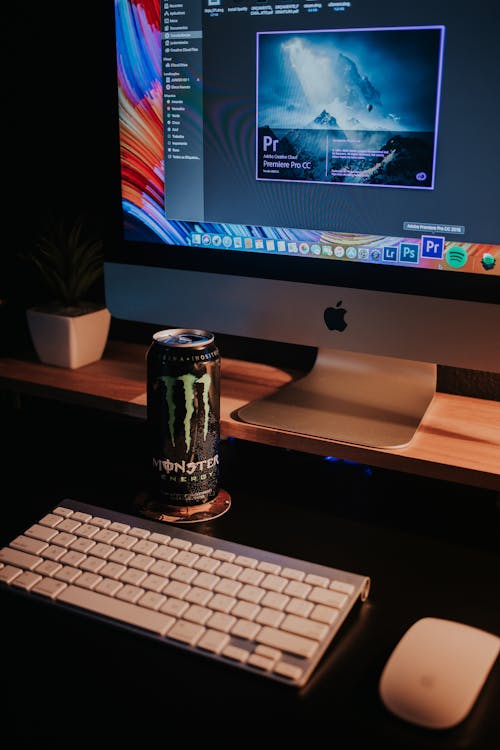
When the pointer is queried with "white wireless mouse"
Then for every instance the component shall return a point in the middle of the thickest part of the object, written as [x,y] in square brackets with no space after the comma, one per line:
[436,671]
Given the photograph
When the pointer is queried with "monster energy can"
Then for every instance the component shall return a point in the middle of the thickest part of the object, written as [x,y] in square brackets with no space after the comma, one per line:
[183,411]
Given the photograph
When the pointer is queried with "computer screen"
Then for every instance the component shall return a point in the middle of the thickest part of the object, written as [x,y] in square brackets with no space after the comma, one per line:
[319,173]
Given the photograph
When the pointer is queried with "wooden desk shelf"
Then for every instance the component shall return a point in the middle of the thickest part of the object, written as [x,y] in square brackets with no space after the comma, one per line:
[458,440]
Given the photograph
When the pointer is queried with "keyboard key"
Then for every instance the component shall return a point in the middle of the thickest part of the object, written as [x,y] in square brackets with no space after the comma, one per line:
[102,550]
[235,653]
[154,583]
[248,575]
[185,558]
[299,607]
[317,581]
[201,549]
[40,532]
[288,670]
[198,596]
[251,594]
[25,544]
[206,581]
[328,597]
[108,586]
[133,576]
[152,600]
[83,517]
[180,543]
[93,564]
[8,573]
[124,541]
[143,546]
[87,530]
[162,568]
[186,632]
[103,523]
[159,538]
[301,626]
[274,583]
[222,603]
[19,559]
[178,589]
[106,536]
[121,528]
[163,552]
[228,570]
[267,567]
[53,552]
[123,556]
[246,562]
[49,587]
[137,532]
[113,607]
[293,644]
[48,567]
[213,640]
[89,580]
[50,520]
[129,593]
[261,662]
[342,586]
[68,524]
[67,574]
[274,600]
[72,558]
[61,511]
[198,614]
[26,580]
[83,545]
[222,554]
[297,589]
[271,617]
[63,539]
[245,629]
[321,613]
[228,587]
[175,607]
[293,574]
[207,564]
[246,610]
[142,562]
[269,653]
[183,574]
[220,621]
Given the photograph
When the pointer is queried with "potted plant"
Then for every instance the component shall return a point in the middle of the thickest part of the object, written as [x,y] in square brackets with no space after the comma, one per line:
[69,330]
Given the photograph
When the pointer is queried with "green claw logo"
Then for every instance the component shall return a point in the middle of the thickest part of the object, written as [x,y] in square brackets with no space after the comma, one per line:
[188,382]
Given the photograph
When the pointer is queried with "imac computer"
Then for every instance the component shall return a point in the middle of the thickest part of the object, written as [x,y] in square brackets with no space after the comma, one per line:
[319,173]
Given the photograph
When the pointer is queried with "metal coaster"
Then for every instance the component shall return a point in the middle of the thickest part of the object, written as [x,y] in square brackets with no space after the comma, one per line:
[184,513]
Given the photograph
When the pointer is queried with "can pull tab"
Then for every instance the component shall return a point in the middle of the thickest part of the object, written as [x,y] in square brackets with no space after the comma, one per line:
[184,339]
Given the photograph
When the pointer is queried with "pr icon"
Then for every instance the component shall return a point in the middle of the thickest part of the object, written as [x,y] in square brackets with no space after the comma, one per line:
[432,247]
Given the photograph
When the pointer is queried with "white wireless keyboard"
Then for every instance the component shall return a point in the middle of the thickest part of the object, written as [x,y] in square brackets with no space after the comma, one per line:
[257,610]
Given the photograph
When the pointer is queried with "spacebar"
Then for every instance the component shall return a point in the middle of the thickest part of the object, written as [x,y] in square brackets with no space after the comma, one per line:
[106,605]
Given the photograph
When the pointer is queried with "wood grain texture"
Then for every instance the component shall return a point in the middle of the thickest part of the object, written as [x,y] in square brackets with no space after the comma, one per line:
[458,440]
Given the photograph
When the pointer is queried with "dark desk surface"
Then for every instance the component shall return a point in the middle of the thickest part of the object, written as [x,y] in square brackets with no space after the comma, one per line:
[430,547]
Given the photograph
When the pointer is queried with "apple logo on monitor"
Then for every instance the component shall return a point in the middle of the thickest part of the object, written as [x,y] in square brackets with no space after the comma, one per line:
[334,317]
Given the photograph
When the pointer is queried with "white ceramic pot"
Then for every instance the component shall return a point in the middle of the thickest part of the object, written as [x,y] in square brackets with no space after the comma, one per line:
[67,341]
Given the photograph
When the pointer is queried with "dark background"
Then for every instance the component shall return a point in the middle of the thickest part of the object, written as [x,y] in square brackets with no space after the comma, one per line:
[60,153]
